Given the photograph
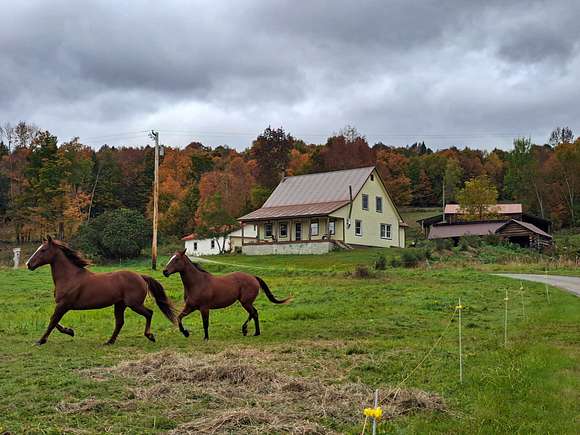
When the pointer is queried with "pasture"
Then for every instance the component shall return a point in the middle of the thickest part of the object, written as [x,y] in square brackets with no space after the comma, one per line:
[314,366]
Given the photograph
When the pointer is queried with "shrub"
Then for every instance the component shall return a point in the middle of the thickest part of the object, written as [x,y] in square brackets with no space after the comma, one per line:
[443,244]
[395,262]
[409,259]
[381,263]
[120,233]
[492,239]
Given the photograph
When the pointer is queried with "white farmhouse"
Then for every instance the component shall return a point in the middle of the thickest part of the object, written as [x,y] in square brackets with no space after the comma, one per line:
[311,214]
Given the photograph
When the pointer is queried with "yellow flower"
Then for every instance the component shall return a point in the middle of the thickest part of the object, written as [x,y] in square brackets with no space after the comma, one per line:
[375,413]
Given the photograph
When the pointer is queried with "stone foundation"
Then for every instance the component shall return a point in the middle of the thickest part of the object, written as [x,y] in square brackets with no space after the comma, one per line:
[306,248]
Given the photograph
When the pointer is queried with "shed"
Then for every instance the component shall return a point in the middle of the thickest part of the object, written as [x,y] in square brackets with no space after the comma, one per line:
[524,234]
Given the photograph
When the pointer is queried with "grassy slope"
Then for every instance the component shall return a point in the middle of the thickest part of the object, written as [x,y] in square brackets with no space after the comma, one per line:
[386,323]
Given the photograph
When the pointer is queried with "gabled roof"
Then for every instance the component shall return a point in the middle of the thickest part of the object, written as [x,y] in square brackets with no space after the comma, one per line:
[312,194]
[492,208]
[319,188]
[526,225]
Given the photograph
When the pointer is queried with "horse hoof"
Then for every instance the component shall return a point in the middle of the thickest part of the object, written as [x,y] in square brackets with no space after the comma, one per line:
[244,333]
[151,337]
[205,338]
[39,342]
[108,343]
[256,334]
[70,332]
[185,333]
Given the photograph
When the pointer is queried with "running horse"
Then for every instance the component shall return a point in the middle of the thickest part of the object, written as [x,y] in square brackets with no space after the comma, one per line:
[204,291]
[76,288]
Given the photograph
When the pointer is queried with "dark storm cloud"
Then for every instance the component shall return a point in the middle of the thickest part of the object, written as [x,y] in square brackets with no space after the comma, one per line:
[396,69]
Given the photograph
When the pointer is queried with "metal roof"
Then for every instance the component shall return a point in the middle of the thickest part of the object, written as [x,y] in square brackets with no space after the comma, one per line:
[294,211]
[528,226]
[492,208]
[324,187]
[460,230]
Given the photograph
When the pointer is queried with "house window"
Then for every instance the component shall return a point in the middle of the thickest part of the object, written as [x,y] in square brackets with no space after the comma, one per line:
[379,204]
[357,228]
[212,244]
[314,227]
[332,228]
[372,177]
[385,231]
[268,229]
[365,201]
[195,246]
[283,229]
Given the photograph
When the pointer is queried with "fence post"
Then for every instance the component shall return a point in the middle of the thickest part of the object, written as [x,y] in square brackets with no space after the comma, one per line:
[376,404]
[506,299]
[522,295]
[459,307]
[16,257]
[546,285]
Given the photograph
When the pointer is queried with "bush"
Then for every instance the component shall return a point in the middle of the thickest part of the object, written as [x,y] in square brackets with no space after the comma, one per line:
[443,244]
[409,259]
[492,239]
[381,263]
[361,271]
[396,262]
[120,233]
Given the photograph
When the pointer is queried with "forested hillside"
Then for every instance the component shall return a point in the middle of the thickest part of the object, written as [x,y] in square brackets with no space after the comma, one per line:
[47,186]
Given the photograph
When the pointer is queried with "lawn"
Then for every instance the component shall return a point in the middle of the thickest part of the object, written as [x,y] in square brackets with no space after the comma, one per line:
[314,366]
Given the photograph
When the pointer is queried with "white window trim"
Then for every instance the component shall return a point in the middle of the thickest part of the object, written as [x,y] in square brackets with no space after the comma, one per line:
[317,222]
[360,226]
[363,202]
[390,227]
[333,224]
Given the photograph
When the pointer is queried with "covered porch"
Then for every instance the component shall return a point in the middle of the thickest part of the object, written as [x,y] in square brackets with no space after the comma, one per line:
[296,235]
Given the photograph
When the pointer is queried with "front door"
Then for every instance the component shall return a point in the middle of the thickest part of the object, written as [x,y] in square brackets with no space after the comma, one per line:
[298,231]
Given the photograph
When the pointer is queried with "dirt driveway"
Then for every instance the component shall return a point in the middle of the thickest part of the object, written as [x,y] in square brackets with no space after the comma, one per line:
[570,283]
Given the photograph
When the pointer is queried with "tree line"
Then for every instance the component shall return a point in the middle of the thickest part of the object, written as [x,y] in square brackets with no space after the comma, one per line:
[47,186]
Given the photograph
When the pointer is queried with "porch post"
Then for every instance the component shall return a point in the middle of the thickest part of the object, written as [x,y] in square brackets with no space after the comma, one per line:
[242,234]
[327,228]
[309,229]
[290,230]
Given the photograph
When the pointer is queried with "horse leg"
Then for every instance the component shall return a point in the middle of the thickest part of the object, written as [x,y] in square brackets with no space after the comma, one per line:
[256,322]
[64,330]
[185,312]
[119,321]
[205,319]
[148,314]
[250,309]
[59,311]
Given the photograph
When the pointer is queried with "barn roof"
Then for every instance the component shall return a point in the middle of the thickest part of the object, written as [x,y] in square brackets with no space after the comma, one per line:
[312,194]
[492,208]
[461,230]
[526,225]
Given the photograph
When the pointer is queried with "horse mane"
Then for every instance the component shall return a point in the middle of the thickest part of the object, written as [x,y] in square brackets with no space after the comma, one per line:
[74,256]
[196,266]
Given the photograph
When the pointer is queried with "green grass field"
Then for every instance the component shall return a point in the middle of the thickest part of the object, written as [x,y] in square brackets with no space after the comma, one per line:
[316,363]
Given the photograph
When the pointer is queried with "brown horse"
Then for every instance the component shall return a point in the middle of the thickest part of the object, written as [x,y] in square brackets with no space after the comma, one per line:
[76,288]
[204,292]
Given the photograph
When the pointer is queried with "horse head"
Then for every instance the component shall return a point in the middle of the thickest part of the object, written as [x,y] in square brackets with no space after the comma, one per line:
[44,254]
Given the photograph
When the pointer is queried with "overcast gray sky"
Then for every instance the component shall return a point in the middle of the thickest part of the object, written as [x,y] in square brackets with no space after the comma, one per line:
[457,72]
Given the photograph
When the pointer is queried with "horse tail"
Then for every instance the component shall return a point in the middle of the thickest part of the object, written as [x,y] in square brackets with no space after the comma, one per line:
[269,294]
[163,302]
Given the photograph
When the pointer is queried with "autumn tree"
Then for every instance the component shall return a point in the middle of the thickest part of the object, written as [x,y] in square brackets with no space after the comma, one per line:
[451,179]
[347,150]
[476,197]
[271,150]
[392,167]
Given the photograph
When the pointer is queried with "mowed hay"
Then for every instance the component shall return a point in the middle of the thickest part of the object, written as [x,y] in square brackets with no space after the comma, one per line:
[246,390]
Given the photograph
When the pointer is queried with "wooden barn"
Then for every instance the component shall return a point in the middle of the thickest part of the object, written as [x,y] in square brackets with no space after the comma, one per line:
[524,234]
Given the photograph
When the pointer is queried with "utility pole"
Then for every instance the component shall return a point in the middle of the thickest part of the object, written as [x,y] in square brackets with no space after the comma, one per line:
[155,136]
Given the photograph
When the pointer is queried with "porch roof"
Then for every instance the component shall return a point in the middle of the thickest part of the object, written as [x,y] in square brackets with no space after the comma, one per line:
[294,211]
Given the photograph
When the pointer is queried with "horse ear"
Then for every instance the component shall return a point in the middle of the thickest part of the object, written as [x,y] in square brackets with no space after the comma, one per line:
[182,253]
[49,239]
